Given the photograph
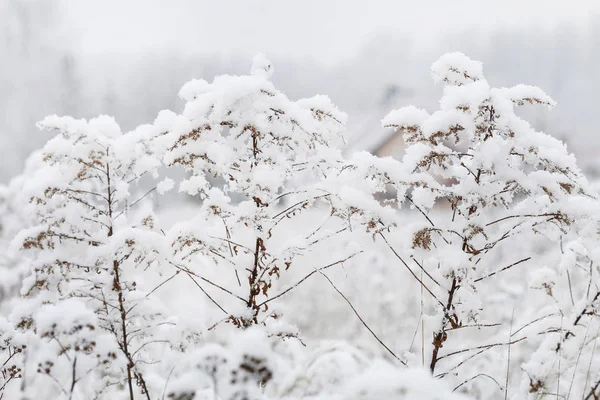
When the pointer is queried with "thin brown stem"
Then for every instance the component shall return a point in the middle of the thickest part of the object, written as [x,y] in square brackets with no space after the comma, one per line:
[254,281]
[441,335]
[410,270]
[362,320]
[503,269]
[306,277]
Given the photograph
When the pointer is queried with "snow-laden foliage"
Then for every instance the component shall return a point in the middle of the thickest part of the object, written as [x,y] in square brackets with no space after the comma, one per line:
[497,180]
[252,156]
[566,362]
[467,268]
[12,220]
[94,263]
[482,180]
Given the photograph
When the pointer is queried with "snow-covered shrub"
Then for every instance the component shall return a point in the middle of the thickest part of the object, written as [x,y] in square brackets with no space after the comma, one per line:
[248,368]
[95,262]
[13,218]
[254,158]
[12,345]
[483,185]
[566,361]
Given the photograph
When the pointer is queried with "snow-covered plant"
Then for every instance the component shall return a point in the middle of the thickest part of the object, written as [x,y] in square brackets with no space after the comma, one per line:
[9,222]
[13,218]
[334,371]
[482,180]
[566,362]
[253,156]
[12,345]
[239,370]
[95,263]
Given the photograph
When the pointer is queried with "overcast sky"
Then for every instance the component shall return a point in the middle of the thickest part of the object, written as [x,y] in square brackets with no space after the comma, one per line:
[327,31]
